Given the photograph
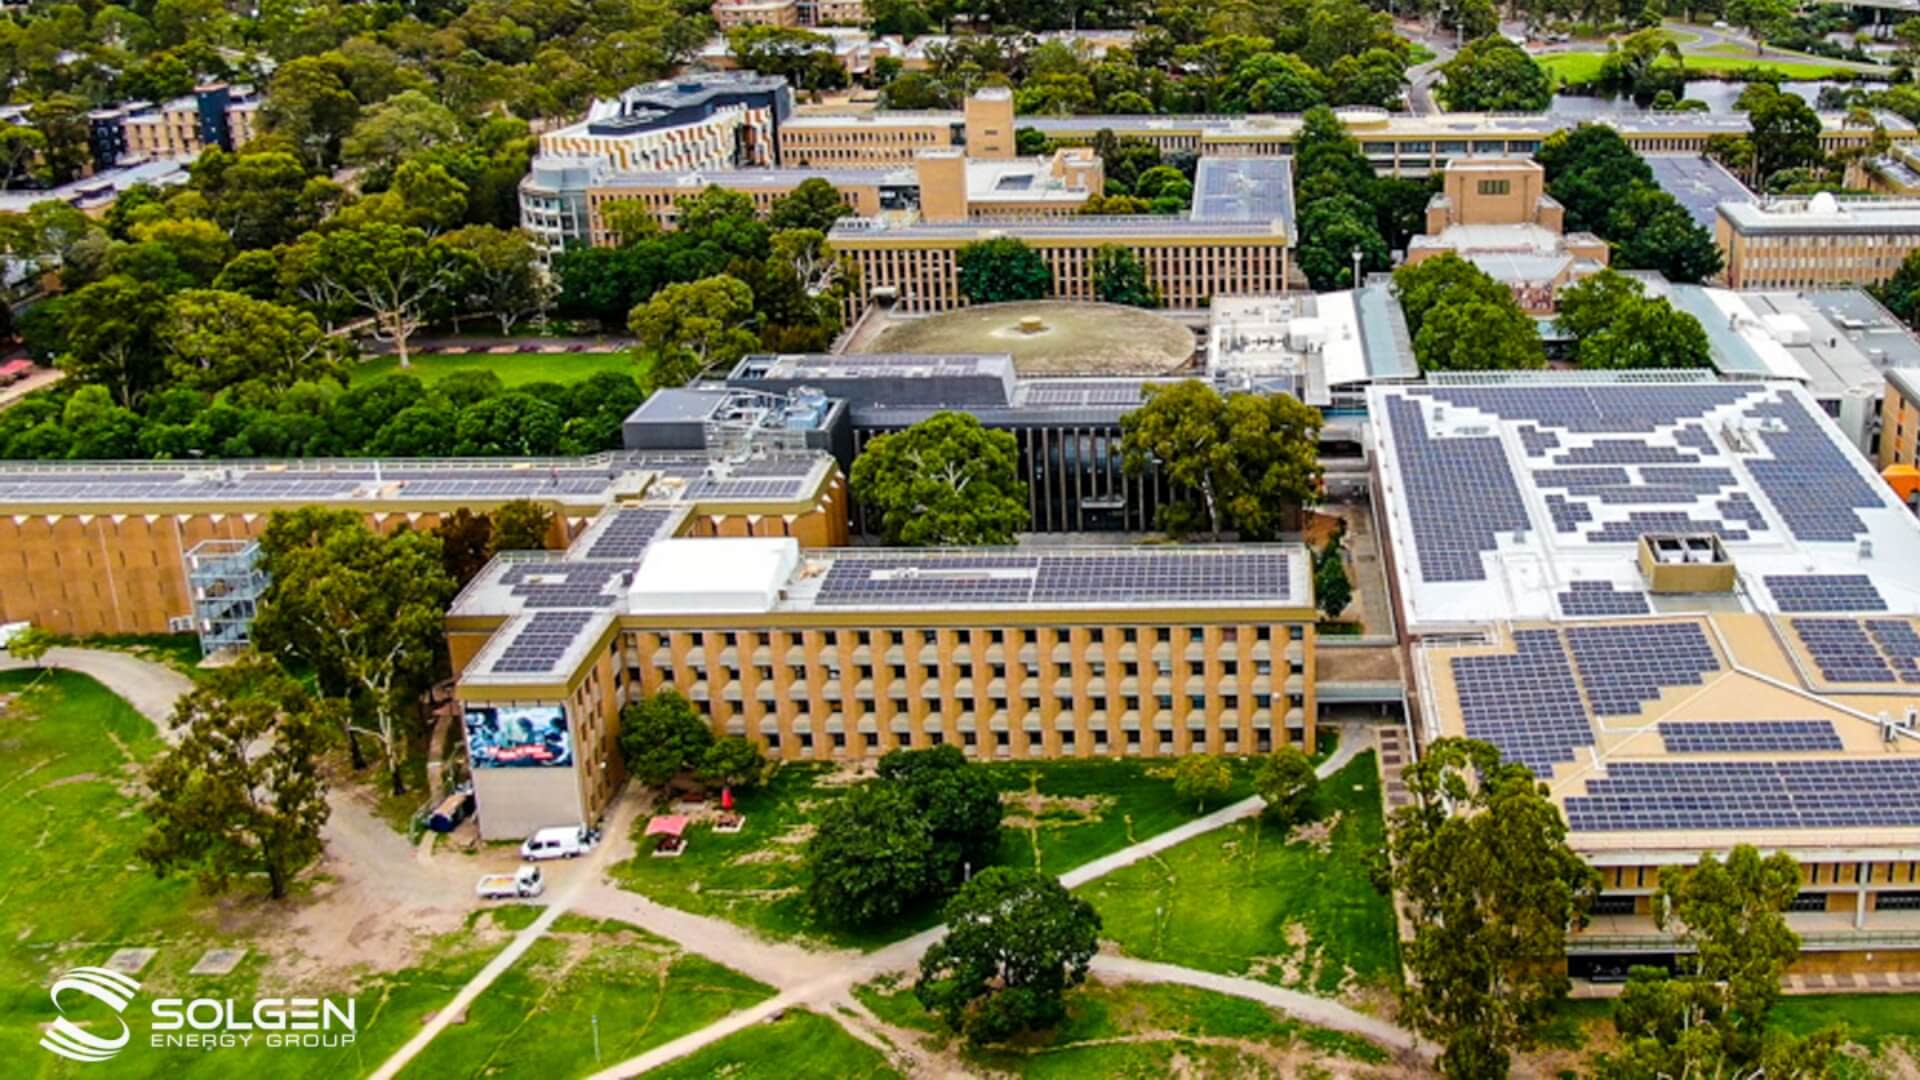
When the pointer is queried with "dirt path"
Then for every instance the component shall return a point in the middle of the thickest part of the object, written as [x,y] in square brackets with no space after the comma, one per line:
[822,992]
[148,686]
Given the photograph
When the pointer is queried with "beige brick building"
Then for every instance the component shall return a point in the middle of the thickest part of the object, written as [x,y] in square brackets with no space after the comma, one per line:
[1793,243]
[1495,213]
[730,14]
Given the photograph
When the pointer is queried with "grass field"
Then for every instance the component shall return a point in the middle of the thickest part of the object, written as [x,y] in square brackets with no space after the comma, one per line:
[1138,1029]
[1573,68]
[539,1017]
[514,369]
[1566,68]
[1872,1021]
[1244,901]
[1060,814]
[799,1046]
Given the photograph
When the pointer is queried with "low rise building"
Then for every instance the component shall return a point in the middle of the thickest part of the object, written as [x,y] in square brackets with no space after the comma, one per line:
[724,120]
[214,115]
[732,14]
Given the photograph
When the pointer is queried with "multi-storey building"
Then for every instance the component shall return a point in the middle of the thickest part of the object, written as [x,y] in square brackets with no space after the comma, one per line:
[213,115]
[1692,609]
[1495,213]
[1395,143]
[915,264]
[1816,242]
[719,121]
[846,653]
[731,14]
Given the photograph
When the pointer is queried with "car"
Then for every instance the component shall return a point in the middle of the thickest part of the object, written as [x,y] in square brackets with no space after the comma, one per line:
[1721,24]
[559,842]
[451,811]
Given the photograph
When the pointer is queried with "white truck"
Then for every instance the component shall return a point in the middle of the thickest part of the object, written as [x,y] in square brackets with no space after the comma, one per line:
[522,883]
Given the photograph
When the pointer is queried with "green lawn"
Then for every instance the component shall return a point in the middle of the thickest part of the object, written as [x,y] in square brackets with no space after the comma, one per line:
[539,1016]
[180,652]
[1738,60]
[799,1046]
[1060,814]
[74,892]
[1138,1029]
[1244,901]
[514,369]
[1871,1020]
[1566,68]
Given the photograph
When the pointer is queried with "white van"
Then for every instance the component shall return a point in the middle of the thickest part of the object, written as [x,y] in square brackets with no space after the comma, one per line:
[558,842]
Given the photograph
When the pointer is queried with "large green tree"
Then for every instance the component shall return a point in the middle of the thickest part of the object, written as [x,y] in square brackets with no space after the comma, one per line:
[959,801]
[1711,1019]
[1120,278]
[662,737]
[1783,129]
[219,339]
[812,204]
[1002,269]
[1016,942]
[1480,859]
[870,857]
[503,276]
[240,793]
[1244,461]
[390,273]
[1615,325]
[364,610]
[1463,320]
[1493,74]
[945,480]
[1286,781]
[694,325]
[112,336]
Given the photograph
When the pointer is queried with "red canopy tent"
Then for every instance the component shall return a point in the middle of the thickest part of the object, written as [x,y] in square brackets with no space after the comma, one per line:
[673,825]
[15,369]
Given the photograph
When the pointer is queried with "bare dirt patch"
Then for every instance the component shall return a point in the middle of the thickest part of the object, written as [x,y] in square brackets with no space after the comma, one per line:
[1032,810]
[1318,834]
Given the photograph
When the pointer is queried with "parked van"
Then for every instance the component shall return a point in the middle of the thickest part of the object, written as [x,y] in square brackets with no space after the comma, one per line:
[558,842]
[453,810]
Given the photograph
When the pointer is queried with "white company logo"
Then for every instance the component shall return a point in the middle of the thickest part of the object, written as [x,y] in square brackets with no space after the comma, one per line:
[108,987]
[193,1023]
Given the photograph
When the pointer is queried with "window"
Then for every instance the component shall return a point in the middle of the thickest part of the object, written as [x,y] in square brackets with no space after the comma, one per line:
[1133,736]
[1605,904]
[1496,187]
[1809,901]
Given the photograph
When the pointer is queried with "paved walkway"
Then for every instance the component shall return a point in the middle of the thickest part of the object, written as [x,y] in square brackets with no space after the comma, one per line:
[147,685]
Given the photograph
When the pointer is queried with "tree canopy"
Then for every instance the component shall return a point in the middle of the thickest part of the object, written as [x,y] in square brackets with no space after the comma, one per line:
[1462,319]
[241,792]
[1002,269]
[1492,74]
[945,480]
[662,737]
[1016,942]
[1480,859]
[1242,461]
[1286,781]
[1616,325]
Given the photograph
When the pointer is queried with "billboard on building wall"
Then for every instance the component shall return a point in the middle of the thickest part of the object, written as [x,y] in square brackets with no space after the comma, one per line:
[518,736]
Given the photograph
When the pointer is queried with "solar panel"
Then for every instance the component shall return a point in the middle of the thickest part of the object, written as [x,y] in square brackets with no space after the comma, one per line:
[541,642]
[1785,794]
[627,535]
[1842,650]
[711,488]
[1524,702]
[1587,599]
[1900,644]
[935,579]
[1808,479]
[1748,736]
[1825,592]
[1624,667]
[1442,475]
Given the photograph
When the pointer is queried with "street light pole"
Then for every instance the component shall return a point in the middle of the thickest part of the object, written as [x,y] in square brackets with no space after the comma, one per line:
[1356,268]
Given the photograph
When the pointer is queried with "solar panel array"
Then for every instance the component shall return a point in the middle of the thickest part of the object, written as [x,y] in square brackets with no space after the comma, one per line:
[1614,461]
[1861,651]
[1785,794]
[541,642]
[1585,599]
[1525,702]
[1809,480]
[1900,644]
[628,533]
[1749,736]
[506,488]
[713,488]
[551,583]
[1441,477]
[1825,592]
[936,580]
[1624,667]
[1065,392]
[1243,189]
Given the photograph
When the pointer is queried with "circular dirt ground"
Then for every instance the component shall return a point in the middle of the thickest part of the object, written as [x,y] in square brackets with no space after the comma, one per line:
[1073,339]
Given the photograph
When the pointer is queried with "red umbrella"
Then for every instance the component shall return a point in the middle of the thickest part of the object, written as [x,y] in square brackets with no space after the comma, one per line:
[726,798]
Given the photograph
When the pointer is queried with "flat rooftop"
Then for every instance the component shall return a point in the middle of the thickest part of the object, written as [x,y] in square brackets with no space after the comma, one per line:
[1681,734]
[1084,228]
[1363,122]
[1699,183]
[1302,344]
[1824,213]
[1243,189]
[1838,342]
[747,179]
[1506,496]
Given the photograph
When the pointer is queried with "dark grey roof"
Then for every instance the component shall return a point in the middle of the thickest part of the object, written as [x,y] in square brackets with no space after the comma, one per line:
[1699,183]
[1243,189]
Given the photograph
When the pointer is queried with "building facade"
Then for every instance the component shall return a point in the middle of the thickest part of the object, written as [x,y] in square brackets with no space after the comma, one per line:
[1495,212]
[214,115]
[1816,242]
